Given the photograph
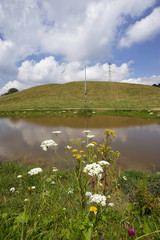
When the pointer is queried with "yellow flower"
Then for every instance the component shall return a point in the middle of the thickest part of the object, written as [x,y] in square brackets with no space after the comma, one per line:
[84,155]
[29,189]
[78,156]
[93,209]
[74,150]
[94,143]
[81,151]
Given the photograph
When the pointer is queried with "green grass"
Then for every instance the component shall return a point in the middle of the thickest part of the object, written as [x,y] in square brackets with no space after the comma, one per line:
[108,95]
[52,213]
[58,208]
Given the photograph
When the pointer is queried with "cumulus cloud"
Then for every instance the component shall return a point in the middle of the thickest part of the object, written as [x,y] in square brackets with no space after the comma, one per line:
[142,30]
[144,80]
[74,31]
[48,68]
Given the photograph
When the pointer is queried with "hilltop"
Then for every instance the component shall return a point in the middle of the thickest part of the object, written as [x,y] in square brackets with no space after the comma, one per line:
[110,95]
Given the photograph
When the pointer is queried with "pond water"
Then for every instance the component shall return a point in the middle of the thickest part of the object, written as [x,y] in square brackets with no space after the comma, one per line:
[138,140]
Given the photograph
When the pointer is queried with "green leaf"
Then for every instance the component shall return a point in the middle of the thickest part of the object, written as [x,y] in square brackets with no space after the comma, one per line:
[88,233]
[130,207]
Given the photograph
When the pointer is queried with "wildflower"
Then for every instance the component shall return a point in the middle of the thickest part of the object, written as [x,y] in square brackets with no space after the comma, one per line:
[74,150]
[12,189]
[98,199]
[111,204]
[54,169]
[84,155]
[86,131]
[29,189]
[125,178]
[81,151]
[90,145]
[35,171]
[131,232]
[19,176]
[93,169]
[48,143]
[102,162]
[88,194]
[53,182]
[33,187]
[78,156]
[93,209]
[68,147]
[90,136]
[70,191]
[56,132]
[26,200]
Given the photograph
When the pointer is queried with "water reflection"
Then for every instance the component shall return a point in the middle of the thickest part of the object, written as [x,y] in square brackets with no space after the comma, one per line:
[138,139]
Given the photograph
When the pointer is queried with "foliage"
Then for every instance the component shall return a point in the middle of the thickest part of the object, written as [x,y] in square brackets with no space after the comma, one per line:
[10,91]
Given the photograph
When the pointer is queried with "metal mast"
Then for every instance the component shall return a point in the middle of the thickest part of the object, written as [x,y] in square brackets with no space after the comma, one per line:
[109,71]
[85,93]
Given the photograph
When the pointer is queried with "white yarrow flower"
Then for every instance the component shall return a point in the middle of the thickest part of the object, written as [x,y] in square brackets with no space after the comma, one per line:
[88,194]
[26,200]
[53,183]
[90,136]
[68,147]
[54,169]
[90,145]
[93,169]
[56,132]
[12,189]
[19,176]
[86,131]
[124,178]
[48,143]
[103,162]
[98,199]
[35,171]
[111,204]
[33,187]
[70,191]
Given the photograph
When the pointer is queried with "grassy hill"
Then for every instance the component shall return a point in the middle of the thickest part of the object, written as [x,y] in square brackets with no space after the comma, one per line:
[71,95]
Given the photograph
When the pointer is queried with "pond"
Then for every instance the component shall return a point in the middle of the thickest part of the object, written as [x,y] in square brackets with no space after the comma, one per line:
[138,140]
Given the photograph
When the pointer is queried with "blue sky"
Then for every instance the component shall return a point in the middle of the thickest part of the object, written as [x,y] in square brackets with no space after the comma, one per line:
[51,41]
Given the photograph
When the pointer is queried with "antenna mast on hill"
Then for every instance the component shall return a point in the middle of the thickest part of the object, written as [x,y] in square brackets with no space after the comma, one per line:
[85,93]
[109,71]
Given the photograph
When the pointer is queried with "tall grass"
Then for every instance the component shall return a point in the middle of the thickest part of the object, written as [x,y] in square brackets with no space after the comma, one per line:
[51,204]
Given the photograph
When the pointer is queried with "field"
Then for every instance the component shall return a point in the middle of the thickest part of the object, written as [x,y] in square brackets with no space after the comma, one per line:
[104,95]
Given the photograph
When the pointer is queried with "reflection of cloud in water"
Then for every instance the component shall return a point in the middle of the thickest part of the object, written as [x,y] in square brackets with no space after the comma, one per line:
[134,143]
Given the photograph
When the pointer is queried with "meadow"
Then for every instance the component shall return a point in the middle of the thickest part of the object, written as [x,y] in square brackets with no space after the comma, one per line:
[92,200]
[106,97]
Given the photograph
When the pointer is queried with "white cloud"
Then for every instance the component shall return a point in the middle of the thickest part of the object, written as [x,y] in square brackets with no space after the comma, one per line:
[144,80]
[7,58]
[75,30]
[49,69]
[142,30]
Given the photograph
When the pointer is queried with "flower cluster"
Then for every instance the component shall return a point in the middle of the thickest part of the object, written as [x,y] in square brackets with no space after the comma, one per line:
[93,169]
[102,163]
[56,132]
[48,143]
[98,199]
[35,171]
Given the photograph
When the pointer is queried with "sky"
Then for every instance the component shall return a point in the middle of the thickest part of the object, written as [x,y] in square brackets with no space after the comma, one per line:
[52,41]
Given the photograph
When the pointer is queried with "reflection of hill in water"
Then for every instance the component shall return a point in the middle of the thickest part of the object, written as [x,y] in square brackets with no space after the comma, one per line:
[100,121]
